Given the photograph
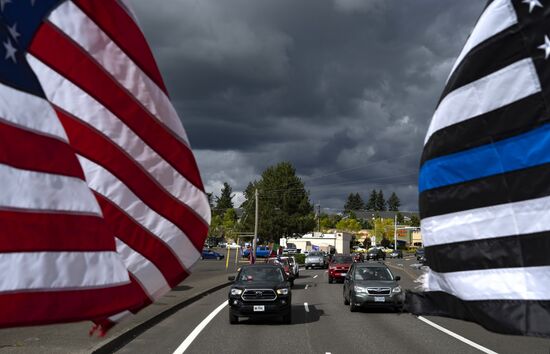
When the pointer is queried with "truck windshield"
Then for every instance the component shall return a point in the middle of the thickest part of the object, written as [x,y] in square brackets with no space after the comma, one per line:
[261,274]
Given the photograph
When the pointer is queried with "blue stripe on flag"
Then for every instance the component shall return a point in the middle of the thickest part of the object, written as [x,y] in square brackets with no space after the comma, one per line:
[522,151]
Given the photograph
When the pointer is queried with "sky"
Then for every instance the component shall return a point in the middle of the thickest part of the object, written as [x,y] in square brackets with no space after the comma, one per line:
[342,89]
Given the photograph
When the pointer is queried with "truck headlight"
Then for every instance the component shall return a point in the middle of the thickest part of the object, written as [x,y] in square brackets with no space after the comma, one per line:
[236,291]
[397,289]
[283,291]
[359,289]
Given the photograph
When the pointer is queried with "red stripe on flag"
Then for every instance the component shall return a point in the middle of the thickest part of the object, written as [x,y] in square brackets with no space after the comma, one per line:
[95,147]
[143,242]
[122,30]
[42,232]
[35,308]
[29,151]
[61,54]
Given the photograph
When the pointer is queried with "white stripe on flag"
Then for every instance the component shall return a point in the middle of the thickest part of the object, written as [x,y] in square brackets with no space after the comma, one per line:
[502,87]
[50,270]
[113,189]
[30,112]
[45,191]
[497,17]
[523,217]
[74,100]
[531,283]
[81,29]
[146,273]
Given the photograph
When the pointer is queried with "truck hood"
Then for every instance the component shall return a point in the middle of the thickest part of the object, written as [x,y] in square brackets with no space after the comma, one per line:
[260,285]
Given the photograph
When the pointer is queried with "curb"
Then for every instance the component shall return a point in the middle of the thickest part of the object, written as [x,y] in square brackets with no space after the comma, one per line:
[128,336]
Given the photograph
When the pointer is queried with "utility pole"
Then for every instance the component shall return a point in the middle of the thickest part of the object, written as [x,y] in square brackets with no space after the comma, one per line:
[255,228]
[395,233]
[319,217]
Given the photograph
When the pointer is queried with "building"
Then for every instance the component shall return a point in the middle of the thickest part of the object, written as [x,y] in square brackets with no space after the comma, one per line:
[339,241]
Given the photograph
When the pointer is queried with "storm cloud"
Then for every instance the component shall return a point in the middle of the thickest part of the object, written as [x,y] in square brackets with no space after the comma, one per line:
[343,89]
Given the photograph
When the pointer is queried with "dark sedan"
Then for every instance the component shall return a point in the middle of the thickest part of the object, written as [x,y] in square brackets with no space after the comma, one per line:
[376,254]
[209,254]
[371,285]
[396,254]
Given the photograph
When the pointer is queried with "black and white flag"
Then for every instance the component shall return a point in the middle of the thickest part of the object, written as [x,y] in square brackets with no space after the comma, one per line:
[485,178]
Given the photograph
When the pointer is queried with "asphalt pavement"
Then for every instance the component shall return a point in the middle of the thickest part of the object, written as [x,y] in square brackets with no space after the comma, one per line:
[325,325]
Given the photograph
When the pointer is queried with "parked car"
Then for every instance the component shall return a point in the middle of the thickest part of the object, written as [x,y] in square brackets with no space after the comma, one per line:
[261,252]
[222,244]
[396,254]
[419,253]
[209,254]
[260,290]
[339,267]
[376,253]
[285,264]
[372,285]
[316,259]
[357,257]
[233,246]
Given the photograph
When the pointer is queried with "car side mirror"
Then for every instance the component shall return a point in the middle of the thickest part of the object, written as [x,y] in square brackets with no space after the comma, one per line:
[397,278]
[231,278]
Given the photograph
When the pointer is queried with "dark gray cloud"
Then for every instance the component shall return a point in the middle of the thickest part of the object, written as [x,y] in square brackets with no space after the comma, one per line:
[343,89]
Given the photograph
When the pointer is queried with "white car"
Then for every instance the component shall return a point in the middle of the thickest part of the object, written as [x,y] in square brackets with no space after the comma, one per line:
[233,246]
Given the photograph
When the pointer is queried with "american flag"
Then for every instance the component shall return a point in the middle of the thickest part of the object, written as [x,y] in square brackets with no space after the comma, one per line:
[485,177]
[102,207]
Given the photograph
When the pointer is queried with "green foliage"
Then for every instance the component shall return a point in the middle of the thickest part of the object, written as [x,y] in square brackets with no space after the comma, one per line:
[393,202]
[225,200]
[400,218]
[371,204]
[300,258]
[350,225]
[354,202]
[385,242]
[380,201]
[383,228]
[284,205]
[415,221]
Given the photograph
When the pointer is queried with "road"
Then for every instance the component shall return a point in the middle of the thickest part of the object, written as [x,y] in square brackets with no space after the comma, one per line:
[325,326]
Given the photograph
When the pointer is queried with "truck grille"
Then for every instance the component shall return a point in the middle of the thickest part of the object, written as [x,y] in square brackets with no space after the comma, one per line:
[258,295]
[378,291]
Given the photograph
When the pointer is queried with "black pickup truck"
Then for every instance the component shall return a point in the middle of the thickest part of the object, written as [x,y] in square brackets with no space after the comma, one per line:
[260,290]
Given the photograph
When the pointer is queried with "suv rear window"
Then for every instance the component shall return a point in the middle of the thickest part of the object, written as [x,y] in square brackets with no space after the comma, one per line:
[372,273]
[343,259]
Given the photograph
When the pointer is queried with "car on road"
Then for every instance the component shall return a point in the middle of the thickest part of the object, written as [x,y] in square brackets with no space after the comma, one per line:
[294,266]
[372,284]
[291,249]
[316,259]
[339,267]
[396,254]
[260,290]
[358,257]
[284,262]
[419,253]
[209,254]
[376,254]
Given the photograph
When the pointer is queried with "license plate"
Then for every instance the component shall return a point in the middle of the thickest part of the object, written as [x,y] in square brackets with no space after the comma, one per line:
[379,299]
[259,308]
[343,274]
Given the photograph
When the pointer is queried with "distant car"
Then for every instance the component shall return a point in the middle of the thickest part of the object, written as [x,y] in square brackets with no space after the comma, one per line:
[284,262]
[294,265]
[339,267]
[261,252]
[222,244]
[357,257]
[316,259]
[233,246]
[396,254]
[419,253]
[376,254]
[260,290]
[372,285]
[209,254]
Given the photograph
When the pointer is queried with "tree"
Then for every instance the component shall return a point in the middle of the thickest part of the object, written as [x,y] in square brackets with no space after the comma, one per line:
[371,204]
[393,203]
[229,222]
[380,201]
[383,228]
[351,225]
[415,221]
[385,242]
[354,202]
[225,200]
[400,218]
[284,205]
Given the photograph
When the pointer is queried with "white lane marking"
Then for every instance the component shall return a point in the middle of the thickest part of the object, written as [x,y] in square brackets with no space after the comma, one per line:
[315,276]
[191,337]
[459,337]
[307,285]
[306,307]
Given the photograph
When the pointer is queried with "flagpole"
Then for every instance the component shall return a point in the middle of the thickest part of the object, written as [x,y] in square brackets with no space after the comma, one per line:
[395,233]
[255,229]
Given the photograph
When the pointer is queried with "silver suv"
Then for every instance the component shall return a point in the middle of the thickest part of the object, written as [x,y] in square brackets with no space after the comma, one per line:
[316,260]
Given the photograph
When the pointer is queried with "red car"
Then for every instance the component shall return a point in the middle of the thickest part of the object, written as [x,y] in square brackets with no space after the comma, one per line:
[339,267]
